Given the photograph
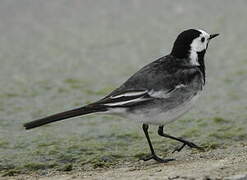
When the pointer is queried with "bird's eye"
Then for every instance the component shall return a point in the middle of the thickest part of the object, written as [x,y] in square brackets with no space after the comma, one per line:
[202,39]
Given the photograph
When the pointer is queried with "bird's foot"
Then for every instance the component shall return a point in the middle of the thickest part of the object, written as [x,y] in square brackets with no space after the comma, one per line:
[188,143]
[156,158]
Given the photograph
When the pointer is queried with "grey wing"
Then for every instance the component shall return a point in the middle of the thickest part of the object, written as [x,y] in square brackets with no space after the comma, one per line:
[153,82]
[163,74]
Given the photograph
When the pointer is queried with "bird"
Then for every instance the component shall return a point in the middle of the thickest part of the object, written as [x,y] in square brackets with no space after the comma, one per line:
[157,94]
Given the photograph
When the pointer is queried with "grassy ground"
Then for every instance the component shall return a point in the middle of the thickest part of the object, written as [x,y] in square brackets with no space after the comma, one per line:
[58,55]
[228,164]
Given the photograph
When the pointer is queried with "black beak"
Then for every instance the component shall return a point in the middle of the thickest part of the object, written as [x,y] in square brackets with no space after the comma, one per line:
[213,36]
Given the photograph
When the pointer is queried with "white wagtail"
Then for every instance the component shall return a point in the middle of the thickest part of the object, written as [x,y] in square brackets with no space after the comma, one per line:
[158,93]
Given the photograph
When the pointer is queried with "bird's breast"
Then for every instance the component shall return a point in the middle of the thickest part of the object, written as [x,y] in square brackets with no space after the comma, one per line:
[165,110]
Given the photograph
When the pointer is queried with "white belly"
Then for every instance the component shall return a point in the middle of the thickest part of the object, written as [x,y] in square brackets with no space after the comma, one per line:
[159,117]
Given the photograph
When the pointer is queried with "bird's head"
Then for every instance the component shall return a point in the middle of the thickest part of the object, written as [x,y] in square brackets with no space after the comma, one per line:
[191,44]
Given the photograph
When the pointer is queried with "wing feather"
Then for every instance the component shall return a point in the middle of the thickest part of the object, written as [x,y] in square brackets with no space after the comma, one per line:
[125,99]
[130,98]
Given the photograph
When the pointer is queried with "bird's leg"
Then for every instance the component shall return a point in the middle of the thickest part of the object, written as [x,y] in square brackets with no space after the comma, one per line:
[153,155]
[188,143]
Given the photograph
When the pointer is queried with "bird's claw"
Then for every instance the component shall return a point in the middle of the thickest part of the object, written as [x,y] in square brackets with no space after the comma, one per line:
[156,158]
[190,144]
[178,149]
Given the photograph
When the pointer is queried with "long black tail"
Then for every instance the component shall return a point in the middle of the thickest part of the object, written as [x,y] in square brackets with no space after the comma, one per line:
[64,115]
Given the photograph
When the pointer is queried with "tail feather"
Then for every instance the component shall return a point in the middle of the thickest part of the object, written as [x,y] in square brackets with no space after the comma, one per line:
[64,115]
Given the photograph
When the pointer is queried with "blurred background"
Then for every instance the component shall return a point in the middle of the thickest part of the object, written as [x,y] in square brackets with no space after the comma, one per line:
[57,55]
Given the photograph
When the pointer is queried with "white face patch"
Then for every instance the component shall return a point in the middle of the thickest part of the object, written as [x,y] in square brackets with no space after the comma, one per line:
[198,44]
